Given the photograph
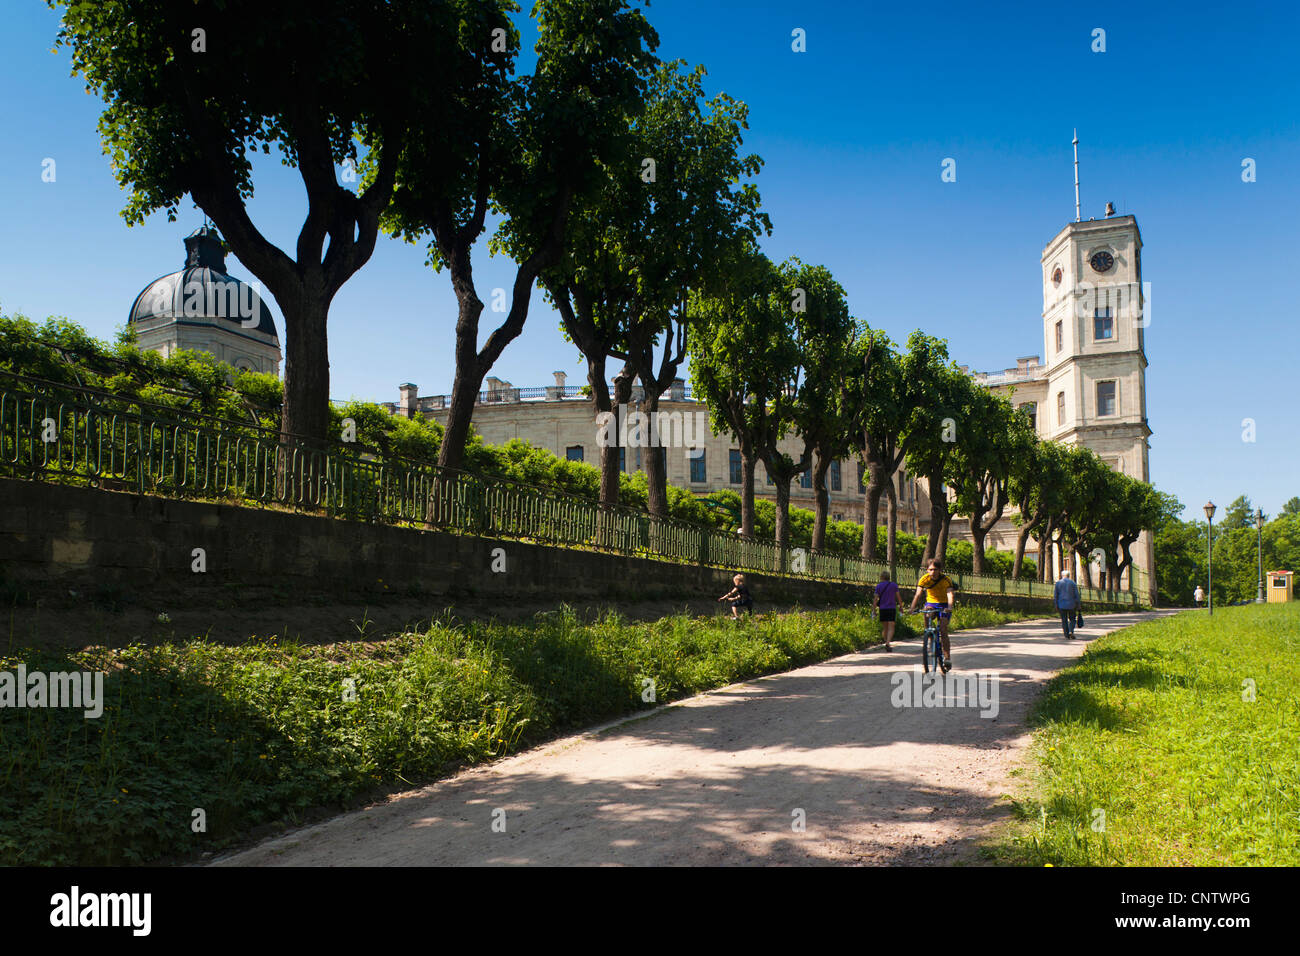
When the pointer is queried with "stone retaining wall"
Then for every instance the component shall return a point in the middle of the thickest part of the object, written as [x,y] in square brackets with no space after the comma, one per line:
[58,541]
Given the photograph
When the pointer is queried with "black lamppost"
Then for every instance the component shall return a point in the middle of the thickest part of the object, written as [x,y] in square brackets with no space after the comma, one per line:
[1209,556]
[1259,552]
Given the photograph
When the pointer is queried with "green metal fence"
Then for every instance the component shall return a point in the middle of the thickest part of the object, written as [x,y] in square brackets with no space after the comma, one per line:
[74,435]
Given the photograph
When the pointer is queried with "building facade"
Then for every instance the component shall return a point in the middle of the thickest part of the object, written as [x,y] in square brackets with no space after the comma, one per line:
[1091,391]
[560,419]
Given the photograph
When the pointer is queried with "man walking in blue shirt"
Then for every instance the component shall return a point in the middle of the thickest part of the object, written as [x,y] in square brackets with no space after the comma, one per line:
[1066,597]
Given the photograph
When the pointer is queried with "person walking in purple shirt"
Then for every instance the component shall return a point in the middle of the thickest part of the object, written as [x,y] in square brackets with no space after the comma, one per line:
[886,601]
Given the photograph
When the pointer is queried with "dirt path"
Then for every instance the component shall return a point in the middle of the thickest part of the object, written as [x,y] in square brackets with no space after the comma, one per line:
[724,778]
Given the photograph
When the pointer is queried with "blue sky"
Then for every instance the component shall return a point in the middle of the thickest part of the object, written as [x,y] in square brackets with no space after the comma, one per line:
[853,133]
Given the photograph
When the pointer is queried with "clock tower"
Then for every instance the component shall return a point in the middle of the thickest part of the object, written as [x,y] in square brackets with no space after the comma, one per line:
[1094,321]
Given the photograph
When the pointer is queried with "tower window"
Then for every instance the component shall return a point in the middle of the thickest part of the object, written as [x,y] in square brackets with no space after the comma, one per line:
[1060,408]
[835,476]
[805,479]
[1103,324]
[1030,410]
[1105,398]
[736,472]
[574,453]
[622,459]
[1060,335]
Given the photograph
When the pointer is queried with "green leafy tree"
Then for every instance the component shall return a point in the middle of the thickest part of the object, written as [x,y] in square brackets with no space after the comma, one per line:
[739,326]
[994,436]
[942,404]
[814,327]
[1240,514]
[186,382]
[1282,543]
[530,148]
[880,401]
[1083,506]
[189,98]
[1179,548]
[819,415]
[1035,485]
[658,224]
[699,213]
[1144,509]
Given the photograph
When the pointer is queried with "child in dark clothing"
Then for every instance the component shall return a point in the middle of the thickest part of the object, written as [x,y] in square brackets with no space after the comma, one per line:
[739,596]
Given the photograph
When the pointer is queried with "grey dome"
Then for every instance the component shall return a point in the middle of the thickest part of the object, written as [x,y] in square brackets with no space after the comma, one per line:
[203,290]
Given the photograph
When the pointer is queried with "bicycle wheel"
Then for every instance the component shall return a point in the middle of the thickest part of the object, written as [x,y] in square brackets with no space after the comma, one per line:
[925,651]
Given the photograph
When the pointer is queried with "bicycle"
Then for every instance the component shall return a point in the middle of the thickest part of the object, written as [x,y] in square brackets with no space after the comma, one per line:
[932,642]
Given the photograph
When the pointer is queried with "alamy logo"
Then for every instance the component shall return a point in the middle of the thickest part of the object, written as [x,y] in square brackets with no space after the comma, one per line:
[916,689]
[102,909]
[646,430]
[77,689]
[1111,299]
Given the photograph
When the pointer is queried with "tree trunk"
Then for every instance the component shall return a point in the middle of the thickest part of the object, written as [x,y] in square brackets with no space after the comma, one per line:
[617,406]
[1045,552]
[876,481]
[1124,564]
[657,481]
[979,531]
[460,413]
[1022,542]
[782,521]
[823,502]
[747,469]
[470,371]
[978,535]
[891,541]
[938,514]
[608,452]
[306,369]
[656,471]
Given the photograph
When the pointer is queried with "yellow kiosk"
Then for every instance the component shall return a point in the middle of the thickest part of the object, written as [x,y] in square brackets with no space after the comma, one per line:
[1281,586]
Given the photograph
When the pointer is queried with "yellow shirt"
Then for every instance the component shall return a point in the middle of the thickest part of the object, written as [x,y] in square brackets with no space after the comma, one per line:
[936,591]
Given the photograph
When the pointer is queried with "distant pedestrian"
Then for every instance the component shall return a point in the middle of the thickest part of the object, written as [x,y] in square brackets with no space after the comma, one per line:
[739,597]
[1199,596]
[1066,597]
[885,601]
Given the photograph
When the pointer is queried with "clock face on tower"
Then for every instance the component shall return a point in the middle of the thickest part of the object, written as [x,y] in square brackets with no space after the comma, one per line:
[1101,261]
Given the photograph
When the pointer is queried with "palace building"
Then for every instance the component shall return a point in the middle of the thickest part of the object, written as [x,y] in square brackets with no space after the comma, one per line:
[1091,391]
[560,419]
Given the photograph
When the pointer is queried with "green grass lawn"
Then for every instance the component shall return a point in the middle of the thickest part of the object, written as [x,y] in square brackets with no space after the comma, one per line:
[1185,733]
[266,735]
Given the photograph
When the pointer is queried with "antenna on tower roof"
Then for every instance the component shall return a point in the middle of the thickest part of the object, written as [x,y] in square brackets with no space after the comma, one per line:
[1077,215]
